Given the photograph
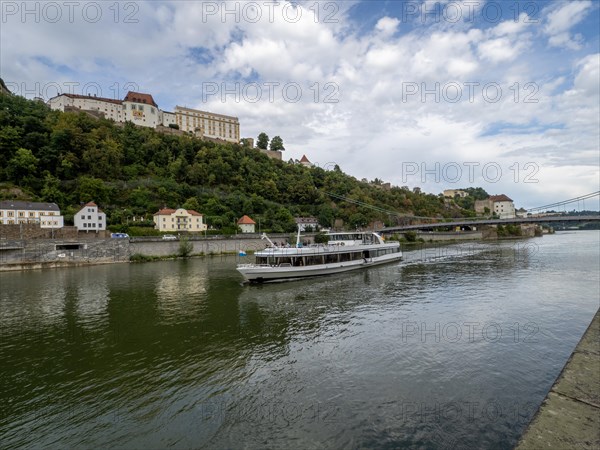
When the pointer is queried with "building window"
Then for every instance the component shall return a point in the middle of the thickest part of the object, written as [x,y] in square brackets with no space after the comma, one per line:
[31,214]
[21,214]
[11,214]
[82,217]
[89,217]
[85,225]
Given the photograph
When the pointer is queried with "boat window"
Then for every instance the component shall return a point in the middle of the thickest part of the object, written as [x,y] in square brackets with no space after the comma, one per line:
[331,258]
[314,260]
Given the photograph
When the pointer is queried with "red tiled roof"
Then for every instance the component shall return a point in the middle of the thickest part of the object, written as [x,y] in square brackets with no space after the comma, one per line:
[306,220]
[245,220]
[169,211]
[500,198]
[304,159]
[164,212]
[90,204]
[91,97]
[138,97]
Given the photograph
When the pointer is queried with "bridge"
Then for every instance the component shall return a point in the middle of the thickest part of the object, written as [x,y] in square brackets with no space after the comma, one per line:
[476,222]
[535,216]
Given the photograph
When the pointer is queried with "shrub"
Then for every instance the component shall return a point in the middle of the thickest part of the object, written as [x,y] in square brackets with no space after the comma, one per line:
[185,247]
[410,236]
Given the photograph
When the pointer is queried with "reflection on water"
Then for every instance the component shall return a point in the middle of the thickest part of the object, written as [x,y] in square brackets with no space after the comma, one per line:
[181,293]
[454,346]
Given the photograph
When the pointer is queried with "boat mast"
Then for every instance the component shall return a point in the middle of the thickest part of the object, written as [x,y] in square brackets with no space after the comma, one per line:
[298,237]
[264,236]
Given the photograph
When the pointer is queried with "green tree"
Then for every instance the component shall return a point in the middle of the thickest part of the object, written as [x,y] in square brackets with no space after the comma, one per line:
[263,141]
[22,166]
[192,203]
[51,192]
[358,220]
[277,144]
[321,238]
[91,189]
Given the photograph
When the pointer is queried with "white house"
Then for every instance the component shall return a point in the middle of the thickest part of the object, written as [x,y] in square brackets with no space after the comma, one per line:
[90,218]
[141,109]
[305,162]
[207,124]
[521,212]
[110,108]
[180,219]
[451,193]
[246,224]
[304,222]
[503,206]
[47,215]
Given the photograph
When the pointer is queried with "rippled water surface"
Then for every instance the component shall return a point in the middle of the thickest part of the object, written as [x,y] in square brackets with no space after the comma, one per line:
[455,347]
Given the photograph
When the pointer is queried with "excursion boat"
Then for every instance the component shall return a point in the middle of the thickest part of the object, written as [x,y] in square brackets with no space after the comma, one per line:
[343,252]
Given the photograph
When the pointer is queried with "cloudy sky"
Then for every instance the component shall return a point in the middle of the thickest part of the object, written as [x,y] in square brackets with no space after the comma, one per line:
[437,95]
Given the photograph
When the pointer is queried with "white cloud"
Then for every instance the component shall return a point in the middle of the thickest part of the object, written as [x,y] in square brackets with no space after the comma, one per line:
[511,27]
[387,26]
[373,127]
[560,21]
[498,50]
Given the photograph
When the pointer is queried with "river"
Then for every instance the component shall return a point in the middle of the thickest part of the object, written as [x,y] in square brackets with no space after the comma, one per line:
[455,347]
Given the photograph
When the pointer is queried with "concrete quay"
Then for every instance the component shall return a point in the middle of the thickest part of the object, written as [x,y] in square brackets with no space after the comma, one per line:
[569,417]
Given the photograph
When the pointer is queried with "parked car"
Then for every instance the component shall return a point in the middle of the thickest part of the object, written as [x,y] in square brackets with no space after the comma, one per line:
[169,237]
[119,236]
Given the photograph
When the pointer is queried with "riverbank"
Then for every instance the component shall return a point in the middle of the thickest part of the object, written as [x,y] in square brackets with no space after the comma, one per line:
[569,417]
[53,253]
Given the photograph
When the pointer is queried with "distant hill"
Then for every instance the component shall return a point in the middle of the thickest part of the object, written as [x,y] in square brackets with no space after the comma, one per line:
[69,158]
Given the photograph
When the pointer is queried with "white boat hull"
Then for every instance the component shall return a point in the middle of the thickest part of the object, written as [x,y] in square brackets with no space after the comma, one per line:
[261,273]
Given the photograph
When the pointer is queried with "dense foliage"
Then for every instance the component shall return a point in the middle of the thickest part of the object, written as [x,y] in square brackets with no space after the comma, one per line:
[70,158]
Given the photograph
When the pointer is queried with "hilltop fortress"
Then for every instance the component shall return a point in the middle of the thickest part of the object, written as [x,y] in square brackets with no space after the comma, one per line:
[142,110]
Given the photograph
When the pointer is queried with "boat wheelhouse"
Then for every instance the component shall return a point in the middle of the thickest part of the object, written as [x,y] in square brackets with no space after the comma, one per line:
[343,252]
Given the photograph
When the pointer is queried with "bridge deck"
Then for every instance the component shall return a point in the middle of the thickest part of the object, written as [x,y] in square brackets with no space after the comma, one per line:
[516,220]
